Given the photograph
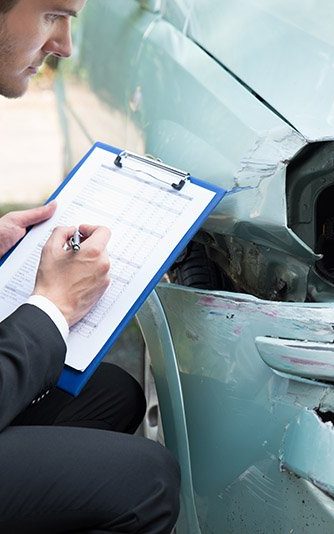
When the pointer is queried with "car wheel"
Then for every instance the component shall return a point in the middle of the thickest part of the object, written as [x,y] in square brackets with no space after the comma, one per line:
[196,269]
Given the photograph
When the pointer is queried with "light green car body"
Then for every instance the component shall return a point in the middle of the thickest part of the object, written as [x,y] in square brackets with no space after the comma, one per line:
[231,92]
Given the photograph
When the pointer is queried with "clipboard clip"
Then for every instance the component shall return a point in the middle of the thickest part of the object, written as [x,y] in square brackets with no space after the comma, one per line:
[156,164]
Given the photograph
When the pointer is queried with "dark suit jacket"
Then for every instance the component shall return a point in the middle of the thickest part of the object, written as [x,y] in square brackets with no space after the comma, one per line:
[32,353]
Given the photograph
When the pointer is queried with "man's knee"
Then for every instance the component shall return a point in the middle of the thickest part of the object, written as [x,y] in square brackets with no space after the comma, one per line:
[119,483]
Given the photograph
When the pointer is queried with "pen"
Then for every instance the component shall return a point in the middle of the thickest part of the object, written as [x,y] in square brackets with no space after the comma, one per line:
[75,241]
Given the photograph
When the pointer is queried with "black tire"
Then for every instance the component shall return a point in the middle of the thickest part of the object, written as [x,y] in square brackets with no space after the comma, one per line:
[197,270]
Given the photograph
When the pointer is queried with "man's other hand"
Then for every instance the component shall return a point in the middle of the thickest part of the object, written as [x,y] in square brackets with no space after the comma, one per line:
[74,281]
[13,225]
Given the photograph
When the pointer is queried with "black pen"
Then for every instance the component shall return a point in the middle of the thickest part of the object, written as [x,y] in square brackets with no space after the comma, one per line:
[75,241]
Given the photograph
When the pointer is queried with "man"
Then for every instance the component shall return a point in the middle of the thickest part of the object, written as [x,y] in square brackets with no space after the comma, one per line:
[67,465]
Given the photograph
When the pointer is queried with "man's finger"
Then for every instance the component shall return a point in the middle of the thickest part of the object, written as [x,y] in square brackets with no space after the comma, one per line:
[61,235]
[33,216]
[87,229]
[97,235]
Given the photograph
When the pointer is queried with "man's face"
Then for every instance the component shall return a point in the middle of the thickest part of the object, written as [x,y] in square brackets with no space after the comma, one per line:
[29,32]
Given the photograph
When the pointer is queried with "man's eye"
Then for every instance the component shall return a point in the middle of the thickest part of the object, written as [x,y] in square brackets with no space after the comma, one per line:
[51,17]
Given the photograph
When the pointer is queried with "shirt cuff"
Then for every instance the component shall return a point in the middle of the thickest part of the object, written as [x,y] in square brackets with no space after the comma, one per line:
[52,311]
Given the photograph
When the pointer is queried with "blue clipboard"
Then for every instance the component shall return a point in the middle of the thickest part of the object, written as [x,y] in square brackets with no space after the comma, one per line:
[72,380]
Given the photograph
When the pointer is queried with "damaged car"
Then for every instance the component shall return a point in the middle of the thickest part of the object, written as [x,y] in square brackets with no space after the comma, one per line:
[240,333]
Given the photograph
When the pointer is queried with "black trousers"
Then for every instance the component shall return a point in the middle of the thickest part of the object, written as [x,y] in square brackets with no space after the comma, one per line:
[70,464]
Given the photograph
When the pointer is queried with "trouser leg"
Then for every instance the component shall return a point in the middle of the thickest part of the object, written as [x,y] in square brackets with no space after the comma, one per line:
[60,479]
[63,479]
[111,400]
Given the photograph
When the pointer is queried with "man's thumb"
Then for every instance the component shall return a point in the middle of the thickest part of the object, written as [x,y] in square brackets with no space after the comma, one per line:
[36,215]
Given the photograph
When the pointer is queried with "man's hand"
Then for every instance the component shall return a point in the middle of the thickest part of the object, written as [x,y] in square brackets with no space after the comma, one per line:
[13,225]
[74,281]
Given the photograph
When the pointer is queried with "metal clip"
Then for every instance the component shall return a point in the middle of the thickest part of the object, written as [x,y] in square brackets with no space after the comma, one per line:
[156,164]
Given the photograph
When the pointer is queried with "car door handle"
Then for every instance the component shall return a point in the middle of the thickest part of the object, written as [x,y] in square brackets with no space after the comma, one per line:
[308,359]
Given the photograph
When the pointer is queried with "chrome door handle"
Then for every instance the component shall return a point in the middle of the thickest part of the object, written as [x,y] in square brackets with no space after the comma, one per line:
[308,359]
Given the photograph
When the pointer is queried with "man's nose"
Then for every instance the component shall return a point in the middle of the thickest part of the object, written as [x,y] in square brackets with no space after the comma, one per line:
[60,42]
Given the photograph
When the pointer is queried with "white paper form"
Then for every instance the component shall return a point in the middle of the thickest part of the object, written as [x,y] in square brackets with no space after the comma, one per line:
[147,219]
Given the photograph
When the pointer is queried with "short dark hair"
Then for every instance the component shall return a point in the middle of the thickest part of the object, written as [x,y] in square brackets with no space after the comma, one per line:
[6,5]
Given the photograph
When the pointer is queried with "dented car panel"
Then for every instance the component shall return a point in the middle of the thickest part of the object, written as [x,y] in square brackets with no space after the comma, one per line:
[250,472]
[244,366]
[299,455]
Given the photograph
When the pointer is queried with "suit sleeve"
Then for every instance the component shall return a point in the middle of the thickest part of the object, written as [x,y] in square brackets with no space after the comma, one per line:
[32,354]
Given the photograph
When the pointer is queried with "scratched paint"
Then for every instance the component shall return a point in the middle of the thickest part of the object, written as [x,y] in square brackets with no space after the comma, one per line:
[278,319]
[237,408]
[271,153]
[259,183]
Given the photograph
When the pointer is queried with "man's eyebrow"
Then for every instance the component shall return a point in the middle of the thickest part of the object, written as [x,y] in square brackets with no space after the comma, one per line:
[65,11]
